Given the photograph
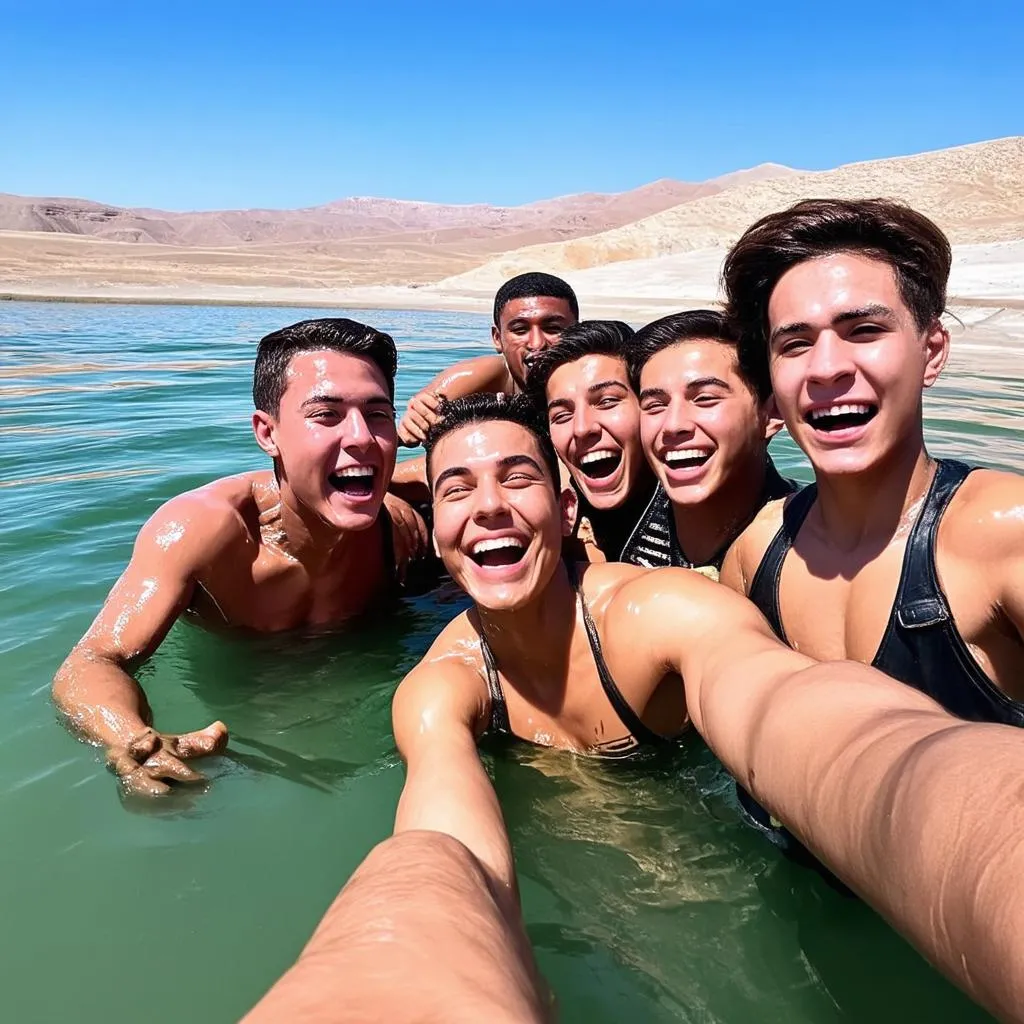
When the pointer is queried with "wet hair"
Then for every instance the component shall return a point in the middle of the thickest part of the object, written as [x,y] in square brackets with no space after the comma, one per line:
[696,325]
[485,408]
[531,286]
[337,334]
[587,338]
[880,229]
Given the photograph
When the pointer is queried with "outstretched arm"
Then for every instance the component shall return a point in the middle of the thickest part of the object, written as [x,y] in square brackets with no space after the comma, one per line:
[94,687]
[919,812]
[468,377]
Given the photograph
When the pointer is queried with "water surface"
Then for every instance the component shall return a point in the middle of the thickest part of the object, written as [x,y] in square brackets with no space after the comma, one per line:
[645,897]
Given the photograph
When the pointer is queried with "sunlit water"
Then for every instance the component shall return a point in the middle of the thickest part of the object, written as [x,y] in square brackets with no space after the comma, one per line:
[646,898]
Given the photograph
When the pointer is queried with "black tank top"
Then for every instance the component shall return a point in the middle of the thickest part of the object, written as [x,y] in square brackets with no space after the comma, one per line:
[654,542]
[640,735]
[920,646]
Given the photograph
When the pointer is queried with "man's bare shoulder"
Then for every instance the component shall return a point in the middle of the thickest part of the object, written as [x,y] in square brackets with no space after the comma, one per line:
[447,681]
[600,581]
[985,519]
[211,517]
[747,550]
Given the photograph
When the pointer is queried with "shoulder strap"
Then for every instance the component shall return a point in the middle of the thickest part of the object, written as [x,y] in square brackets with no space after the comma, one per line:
[498,722]
[919,600]
[387,544]
[764,588]
[629,718]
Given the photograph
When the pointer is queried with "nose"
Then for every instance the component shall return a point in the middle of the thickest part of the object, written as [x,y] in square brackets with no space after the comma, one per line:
[488,500]
[536,340]
[355,430]
[583,425]
[830,359]
[678,418]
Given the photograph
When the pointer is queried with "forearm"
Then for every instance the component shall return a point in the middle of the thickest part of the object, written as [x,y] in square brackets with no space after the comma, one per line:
[452,794]
[99,699]
[920,813]
[409,481]
[415,935]
[472,376]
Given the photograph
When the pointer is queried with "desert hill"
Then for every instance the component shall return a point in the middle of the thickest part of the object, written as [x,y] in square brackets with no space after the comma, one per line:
[975,192]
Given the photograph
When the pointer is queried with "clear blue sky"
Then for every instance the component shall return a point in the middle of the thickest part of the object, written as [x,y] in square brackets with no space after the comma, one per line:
[213,105]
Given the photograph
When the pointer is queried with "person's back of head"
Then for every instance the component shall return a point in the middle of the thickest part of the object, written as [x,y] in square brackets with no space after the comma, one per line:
[337,334]
[532,286]
[913,246]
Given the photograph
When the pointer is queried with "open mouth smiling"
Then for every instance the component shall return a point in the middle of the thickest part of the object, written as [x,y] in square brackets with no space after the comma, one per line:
[354,481]
[498,552]
[841,416]
[687,458]
[600,464]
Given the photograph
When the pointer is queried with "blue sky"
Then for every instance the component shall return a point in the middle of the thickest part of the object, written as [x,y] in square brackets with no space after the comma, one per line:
[213,105]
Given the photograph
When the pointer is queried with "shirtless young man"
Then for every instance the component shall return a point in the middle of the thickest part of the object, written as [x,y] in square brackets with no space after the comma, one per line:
[530,313]
[892,558]
[304,544]
[625,657]
[706,418]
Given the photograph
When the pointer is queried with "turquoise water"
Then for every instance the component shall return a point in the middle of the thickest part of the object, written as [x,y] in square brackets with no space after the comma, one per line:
[645,897]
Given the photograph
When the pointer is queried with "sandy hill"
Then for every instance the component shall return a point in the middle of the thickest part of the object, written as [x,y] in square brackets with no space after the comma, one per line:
[487,228]
[975,192]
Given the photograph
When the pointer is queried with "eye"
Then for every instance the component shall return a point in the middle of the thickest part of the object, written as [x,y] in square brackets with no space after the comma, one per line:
[608,402]
[323,415]
[707,399]
[867,330]
[520,479]
[793,346]
[381,415]
[652,408]
[454,491]
[559,417]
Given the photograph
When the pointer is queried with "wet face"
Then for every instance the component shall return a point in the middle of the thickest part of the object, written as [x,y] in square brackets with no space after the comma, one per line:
[334,437]
[594,421]
[700,422]
[498,523]
[526,328]
[848,362]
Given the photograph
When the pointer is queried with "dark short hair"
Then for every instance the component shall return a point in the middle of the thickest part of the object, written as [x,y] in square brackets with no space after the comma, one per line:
[695,325]
[531,286]
[483,408]
[880,229]
[587,338]
[338,334]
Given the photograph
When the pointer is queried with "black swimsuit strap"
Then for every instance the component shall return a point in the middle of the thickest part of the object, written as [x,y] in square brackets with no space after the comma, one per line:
[498,721]
[629,718]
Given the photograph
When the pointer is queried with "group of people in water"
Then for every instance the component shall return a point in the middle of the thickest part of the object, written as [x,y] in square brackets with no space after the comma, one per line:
[851,651]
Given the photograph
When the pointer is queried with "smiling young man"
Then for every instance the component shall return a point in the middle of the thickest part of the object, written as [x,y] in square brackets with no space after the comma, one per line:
[606,658]
[891,558]
[705,421]
[307,544]
[530,313]
[581,385]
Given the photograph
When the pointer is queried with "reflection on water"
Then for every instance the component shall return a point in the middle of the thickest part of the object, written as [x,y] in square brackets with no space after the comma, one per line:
[644,895]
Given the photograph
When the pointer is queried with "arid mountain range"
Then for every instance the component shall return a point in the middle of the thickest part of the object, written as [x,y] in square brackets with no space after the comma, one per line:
[661,243]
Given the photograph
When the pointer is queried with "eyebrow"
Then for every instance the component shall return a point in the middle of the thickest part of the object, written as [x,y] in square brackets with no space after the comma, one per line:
[326,398]
[860,313]
[508,462]
[707,382]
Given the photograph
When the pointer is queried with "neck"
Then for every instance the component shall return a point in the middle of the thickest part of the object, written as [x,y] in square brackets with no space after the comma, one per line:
[860,508]
[532,643]
[288,526]
[710,525]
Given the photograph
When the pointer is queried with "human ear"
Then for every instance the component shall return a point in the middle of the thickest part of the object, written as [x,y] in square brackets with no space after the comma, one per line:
[496,338]
[570,506]
[936,347]
[265,429]
[771,417]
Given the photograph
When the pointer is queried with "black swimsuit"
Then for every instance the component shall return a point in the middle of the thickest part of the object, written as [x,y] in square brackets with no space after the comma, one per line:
[639,734]
[654,542]
[921,645]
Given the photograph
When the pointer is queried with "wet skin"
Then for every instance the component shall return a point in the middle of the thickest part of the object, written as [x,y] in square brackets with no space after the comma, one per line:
[254,551]
[849,365]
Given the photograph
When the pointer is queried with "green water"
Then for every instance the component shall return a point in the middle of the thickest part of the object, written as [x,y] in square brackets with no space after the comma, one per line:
[645,897]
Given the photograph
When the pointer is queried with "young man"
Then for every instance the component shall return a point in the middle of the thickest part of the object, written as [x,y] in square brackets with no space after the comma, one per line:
[616,657]
[891,558]
[530,313]
[581,385]
[305,544]
[706,418]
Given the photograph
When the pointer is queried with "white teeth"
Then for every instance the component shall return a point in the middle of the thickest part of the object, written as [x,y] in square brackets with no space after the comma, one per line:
[355,471]
[688,455]
[596,457]
[493,545]
[839,410]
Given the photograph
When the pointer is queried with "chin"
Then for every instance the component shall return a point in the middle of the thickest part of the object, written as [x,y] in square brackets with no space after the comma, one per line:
[352,520]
